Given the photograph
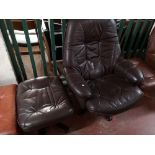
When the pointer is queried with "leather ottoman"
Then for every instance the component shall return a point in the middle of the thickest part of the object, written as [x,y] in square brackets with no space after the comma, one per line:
[41,102]
[7,109]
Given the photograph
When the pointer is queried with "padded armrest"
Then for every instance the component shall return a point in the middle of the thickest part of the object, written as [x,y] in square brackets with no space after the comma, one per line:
[129,71]
[77,83]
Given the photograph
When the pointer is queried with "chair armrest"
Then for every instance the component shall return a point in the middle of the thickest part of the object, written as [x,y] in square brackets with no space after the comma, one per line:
[77,83]
[128,70]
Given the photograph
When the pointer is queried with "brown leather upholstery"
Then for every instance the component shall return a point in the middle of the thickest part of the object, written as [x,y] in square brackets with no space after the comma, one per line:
[41,102]
[148,66]
[95,71]
[8,109]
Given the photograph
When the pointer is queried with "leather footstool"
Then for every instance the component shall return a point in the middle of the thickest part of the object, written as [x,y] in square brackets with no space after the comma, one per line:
[41,102]
[8,110]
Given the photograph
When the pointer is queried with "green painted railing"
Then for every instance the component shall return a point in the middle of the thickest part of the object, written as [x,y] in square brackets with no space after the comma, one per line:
[25,28]
[41,45]
[15,45]
[53,47]
[133,36]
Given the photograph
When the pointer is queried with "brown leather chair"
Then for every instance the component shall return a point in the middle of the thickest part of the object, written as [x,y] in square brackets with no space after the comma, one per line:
[148,66]
[101,80]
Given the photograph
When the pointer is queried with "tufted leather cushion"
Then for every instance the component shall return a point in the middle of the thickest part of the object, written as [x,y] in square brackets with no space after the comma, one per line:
[92,52]
[41,101]
[112,95]
[84,45]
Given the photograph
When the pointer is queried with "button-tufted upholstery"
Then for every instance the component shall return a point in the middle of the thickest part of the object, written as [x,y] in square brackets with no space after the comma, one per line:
[40,102]
[94,69]
[85,42]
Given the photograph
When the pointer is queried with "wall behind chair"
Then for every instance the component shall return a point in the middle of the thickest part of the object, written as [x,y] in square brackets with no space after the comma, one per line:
[7,75]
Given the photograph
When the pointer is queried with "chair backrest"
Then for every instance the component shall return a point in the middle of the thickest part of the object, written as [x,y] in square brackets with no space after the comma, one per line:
[91,47]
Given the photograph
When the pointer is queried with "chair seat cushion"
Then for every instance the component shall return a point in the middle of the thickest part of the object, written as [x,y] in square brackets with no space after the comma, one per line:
[112,95]
[40,102]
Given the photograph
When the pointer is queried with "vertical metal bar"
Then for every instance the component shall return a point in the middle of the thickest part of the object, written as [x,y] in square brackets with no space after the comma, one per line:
[41,45]
[121,28]
[133,37]
[122,39]
[63,27]
[15,45]
[143,27]
[53,47]
[127,34]
[10,51]
[25,28]
[146,35]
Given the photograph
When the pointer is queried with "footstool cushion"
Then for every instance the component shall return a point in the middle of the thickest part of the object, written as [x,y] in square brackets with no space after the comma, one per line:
[8,125]
[40,102]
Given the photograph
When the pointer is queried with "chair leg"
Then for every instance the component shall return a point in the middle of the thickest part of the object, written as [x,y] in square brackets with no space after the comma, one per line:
[108,117]
[63,126]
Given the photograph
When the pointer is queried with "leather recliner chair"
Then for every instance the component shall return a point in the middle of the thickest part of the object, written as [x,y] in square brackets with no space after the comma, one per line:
[102,81]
